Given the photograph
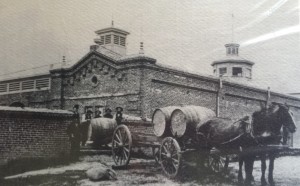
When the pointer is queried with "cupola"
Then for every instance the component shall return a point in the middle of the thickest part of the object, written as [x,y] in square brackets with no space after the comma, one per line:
[232,66]
[113,39]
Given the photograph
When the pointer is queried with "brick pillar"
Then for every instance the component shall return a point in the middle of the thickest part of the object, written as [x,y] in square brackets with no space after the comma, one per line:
[142,93]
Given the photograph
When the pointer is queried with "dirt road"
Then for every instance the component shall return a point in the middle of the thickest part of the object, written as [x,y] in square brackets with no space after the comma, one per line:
[146,172]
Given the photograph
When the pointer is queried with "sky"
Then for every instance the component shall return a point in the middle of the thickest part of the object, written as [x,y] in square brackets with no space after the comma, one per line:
[185,34]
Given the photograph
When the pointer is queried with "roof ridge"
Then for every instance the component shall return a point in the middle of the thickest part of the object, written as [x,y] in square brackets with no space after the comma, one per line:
[111,51]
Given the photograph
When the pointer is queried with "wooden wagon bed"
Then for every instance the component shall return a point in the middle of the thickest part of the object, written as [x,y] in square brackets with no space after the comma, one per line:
[170,154]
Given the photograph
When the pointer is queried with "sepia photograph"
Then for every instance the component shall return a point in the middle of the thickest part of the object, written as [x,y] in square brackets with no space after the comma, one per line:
[140,92]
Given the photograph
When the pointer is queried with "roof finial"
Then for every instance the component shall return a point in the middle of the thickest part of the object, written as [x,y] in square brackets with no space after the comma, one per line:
[232,28]
[112,20]
[64,61]
[141,48]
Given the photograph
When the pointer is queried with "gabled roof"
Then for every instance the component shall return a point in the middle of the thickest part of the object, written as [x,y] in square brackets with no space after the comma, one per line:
[111,58]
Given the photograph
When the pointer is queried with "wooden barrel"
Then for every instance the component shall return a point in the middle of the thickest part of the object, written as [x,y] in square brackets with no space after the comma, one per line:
[102,130]
[161,120]
[186,119]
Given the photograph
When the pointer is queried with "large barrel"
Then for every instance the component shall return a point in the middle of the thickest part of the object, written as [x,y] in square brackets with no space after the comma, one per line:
[101,130]
[161,120]
[185,120]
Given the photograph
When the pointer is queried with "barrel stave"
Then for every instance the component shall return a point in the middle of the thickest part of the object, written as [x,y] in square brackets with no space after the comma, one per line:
[186,120]
[102,130]
[161,121]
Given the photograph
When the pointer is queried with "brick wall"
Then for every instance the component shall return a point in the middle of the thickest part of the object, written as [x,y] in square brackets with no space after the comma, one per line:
[33,133]
[140,87]
[112,88]
[166,87]
[29,99]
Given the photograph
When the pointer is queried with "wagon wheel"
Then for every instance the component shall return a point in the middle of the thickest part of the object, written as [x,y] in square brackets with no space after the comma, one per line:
[218,163]
[121,145]
[170,157]
[155,153]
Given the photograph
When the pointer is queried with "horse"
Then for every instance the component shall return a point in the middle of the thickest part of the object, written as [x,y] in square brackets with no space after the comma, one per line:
[266,126]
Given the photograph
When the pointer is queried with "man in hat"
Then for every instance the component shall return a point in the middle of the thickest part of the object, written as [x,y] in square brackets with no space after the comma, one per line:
[88,115]
[85,127]
[119,115]
[74,134]
[108,113]
[98,114]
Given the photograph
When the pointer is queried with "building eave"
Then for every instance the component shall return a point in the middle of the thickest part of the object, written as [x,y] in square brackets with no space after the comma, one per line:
[25,77]
[233,61]
[110,29]
[216,79]
[136,58]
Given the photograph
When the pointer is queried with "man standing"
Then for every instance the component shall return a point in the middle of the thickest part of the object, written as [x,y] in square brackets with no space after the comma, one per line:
[119,115]
[108,113]
[74,134]
[98,114]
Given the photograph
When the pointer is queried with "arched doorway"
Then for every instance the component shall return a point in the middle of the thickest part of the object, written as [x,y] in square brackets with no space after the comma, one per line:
[17,104]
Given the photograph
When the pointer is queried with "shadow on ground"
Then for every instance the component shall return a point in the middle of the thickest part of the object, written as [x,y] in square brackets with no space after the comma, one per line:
[139,172]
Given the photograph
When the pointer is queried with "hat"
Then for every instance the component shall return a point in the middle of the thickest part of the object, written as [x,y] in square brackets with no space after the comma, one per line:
[89,111]
[119,109]
[108,110]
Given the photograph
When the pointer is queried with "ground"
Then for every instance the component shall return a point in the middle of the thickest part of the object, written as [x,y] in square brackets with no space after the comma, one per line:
[147,172]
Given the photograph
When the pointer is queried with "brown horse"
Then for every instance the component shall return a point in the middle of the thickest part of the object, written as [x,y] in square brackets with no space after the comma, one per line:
[266,126]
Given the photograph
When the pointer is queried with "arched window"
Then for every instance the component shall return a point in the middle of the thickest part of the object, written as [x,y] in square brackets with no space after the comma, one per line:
[17,104]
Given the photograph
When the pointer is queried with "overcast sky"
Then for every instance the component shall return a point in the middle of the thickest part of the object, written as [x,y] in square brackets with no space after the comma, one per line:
[182,33]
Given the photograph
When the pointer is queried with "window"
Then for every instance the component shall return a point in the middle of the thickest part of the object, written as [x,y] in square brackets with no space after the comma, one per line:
[122,41]
[116,39]
[222,71]
[107,39]
[237,71]
[27,85]
[95,80]
[101,40]
[228,51]
[15,86]
[3,88]
[233,51]
[248,73]
[42,83]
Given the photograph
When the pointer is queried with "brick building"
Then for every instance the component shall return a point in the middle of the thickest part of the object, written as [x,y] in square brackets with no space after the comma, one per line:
[107,77]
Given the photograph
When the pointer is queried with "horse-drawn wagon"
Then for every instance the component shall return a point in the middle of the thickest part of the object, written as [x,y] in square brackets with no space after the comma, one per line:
[174,139]
[181,131]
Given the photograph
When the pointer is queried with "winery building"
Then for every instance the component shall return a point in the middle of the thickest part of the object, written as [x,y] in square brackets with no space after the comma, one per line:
[107,78]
